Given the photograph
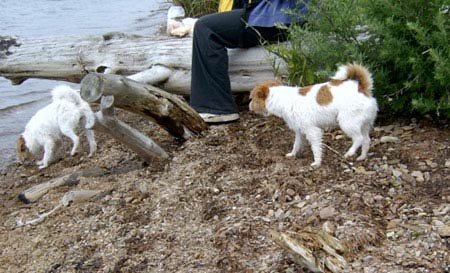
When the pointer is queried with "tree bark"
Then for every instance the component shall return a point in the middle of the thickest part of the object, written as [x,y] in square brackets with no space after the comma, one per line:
[165,61]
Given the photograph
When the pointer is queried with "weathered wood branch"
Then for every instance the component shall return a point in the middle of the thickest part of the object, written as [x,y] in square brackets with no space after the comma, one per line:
[167,110]
[165,61]
[68,198]
[106,121]
[34,193]
[315,250]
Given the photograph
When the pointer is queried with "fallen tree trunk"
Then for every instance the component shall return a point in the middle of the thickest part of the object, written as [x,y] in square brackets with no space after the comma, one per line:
[167,110]
[165,61]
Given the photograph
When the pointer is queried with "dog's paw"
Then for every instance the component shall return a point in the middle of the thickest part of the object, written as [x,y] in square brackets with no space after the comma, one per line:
[291,154]
[43,166]
[315,165]
[348,155]
[361,158]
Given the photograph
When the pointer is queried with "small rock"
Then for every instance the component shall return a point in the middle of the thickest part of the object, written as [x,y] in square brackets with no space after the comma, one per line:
[388,128]
[327,213]
[437,223]
[390,235]
[444,231]
[418,175]
[143,187]
[442,210]
[447,163]
[378,198]
[432,164]
[389,139]
[279,214]
[408,178]
[391,192]
[290,192]
[300,204]
[396,173]
[329,227]
[367,259]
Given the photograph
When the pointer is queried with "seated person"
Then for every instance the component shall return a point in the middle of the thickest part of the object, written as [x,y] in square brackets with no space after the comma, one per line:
[242,27]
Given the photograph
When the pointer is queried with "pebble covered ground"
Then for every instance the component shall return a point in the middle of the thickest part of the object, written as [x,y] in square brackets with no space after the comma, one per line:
[213,206]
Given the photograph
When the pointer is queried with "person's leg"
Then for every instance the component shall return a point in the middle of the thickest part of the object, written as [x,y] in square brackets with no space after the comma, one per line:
[213,34]
[210,83]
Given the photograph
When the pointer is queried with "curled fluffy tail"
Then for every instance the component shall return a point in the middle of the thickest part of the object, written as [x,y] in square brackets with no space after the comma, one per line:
[65,92]
[358,73]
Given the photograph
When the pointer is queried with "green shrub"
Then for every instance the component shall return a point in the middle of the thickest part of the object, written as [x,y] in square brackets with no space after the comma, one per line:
[197,8]
[404,43]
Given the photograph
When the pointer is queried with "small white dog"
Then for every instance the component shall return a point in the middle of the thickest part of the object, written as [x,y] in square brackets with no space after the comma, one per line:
[346,100]
[61,117]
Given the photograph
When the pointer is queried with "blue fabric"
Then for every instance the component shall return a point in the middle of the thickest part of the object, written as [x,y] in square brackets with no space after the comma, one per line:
[270,12]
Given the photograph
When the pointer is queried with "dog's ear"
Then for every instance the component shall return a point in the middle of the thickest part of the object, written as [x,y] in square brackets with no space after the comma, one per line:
[20,144]
[21,149]
[261,90]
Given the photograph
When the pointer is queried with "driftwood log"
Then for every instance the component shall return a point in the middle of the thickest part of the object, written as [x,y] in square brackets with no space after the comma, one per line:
[70,197]
[33,194]
[106,121]
[168,110]
[165,61]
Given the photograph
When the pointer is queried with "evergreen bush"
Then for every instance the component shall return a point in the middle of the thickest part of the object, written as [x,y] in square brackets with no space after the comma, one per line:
[405,44]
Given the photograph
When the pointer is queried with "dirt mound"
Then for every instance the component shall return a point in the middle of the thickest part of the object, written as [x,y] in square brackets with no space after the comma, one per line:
[214,205]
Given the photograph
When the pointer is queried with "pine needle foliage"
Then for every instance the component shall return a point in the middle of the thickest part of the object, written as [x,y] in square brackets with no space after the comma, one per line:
[404,43]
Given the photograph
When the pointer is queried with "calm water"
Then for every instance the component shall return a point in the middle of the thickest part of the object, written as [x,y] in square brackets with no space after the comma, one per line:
[38,18]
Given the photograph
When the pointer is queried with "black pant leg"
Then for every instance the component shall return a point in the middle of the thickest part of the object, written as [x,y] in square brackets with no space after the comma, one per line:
[213,34]
[210,82]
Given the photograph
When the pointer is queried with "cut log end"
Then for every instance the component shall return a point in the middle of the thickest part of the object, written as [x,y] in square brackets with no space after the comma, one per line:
[22,197]
[91,87]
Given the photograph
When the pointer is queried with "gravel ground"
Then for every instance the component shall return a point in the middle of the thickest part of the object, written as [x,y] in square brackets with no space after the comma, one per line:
[214,206]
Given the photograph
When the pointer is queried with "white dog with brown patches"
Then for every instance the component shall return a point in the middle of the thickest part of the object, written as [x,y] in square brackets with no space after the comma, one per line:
[346,100]
[61,117]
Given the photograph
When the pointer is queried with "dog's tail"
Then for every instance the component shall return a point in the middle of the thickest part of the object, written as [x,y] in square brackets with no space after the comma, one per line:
[358,73]
[65,92]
